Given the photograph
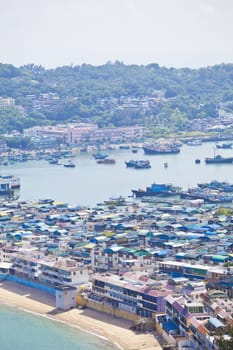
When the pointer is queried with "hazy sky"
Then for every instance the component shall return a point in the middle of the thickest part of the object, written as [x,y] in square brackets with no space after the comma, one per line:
[177,33]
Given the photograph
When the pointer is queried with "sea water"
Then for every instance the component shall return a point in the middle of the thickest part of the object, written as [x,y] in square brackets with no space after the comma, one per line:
[20,330]
[89,183]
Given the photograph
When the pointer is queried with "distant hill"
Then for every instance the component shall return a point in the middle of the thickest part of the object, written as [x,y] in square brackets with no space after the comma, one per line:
[114,94]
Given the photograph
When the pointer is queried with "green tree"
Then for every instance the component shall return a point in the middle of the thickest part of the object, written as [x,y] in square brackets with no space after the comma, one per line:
[226,342]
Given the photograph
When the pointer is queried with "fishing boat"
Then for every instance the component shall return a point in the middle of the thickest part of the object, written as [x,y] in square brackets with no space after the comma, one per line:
[161,149]
[156,189]
[69,164]
[131,163]
[138,164]
[100,155]
[208,195]
[53,161]
[217,185]
[224,145]
[142,164]
[219,160]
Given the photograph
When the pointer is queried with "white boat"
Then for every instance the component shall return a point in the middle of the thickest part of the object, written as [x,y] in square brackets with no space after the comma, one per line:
[14,181]
[194,143]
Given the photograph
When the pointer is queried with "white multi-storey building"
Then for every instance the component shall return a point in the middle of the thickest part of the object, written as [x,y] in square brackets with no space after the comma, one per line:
[7,102]
[50,271]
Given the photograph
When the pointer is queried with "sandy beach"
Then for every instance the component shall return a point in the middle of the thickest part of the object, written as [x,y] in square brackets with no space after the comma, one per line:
[114,329]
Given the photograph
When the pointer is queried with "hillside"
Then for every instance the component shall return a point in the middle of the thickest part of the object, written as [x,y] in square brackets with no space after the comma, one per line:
[114,94]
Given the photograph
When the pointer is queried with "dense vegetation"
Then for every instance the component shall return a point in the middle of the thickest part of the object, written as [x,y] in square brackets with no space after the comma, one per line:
[99,94]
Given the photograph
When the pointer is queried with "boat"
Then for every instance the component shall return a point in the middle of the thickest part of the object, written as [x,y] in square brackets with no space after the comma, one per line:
[5,188]
[138,164]
[53,161]
[134,150]
[224,146]
[13,180]
[119,200]
[131,163]
[156,189]
[217,185]
[195,142]
[142,164]
[161,149]
[100,156]
[219,160]
[208,195]
[69,164]
[197,161]
[106,161]
[165,165]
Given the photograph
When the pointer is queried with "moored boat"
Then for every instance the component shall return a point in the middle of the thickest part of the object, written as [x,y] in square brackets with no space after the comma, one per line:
[138,164]
[156,189]
[224,145]
[5,188]
[13,180]
[219,160]
[195,142]
[69,164]
[208,195]
[217,185]
[100,155]
[142,164]
[53,161]
[161,149]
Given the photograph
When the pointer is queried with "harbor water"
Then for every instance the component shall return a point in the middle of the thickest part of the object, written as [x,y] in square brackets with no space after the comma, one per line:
[89,183]
[24,331]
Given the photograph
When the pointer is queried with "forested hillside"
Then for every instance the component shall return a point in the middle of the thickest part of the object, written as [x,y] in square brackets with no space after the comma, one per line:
[113,94]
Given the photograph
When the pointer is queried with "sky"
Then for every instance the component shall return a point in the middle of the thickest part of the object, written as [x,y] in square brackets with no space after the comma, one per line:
[172,33]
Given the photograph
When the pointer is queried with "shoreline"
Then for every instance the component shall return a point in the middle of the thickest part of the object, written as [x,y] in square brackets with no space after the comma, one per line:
[105,327]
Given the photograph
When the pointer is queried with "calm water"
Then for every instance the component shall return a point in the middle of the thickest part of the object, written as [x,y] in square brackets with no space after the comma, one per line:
[23,331]
[90,183]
